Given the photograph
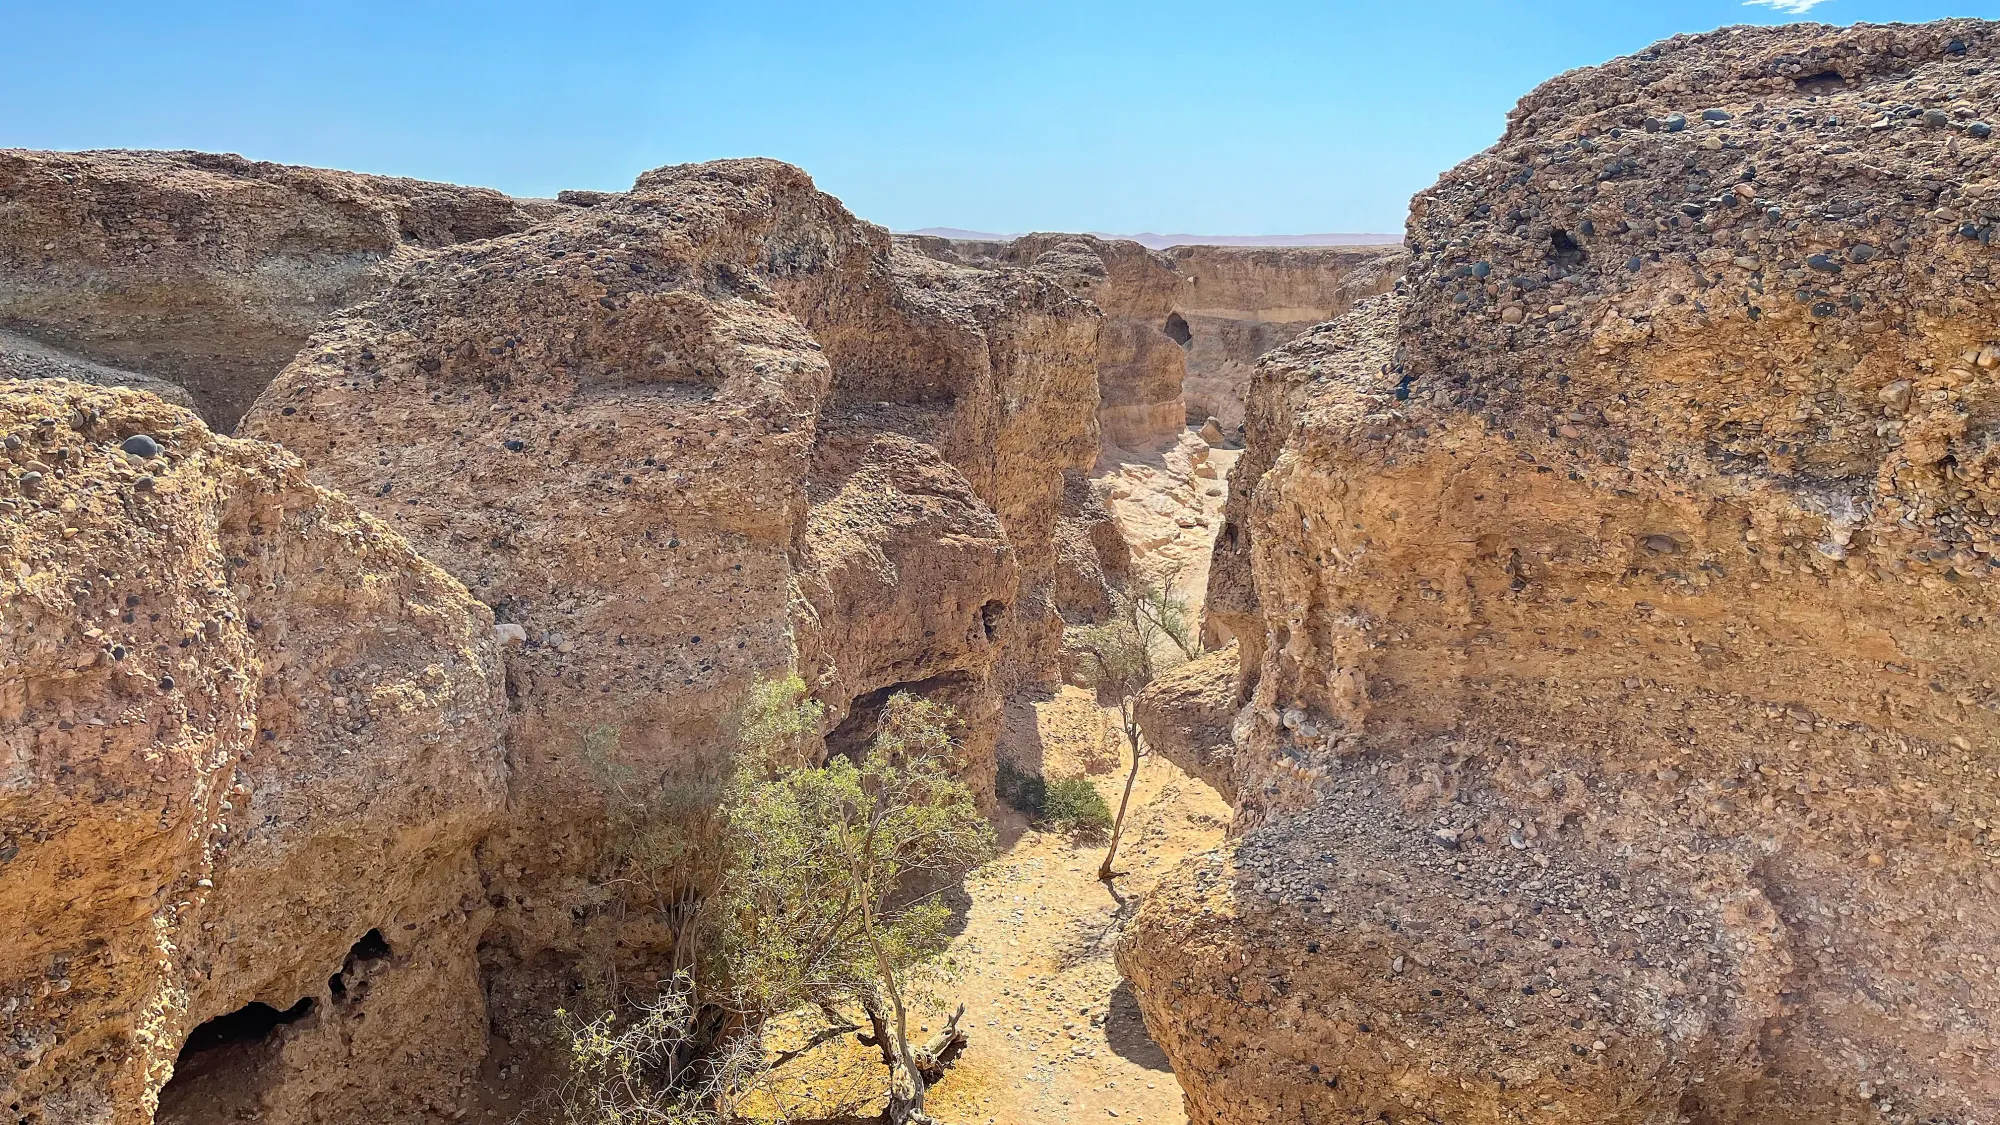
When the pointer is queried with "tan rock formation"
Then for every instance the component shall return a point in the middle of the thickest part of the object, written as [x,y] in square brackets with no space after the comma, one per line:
[1621,748]
[704,432]
[1140,366]
[245,727]
[209,271]
[1236,303]
[1187,714]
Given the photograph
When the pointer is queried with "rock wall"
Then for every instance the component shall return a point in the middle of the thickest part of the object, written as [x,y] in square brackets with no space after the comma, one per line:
[1140,365]
[244,727]
[704,432]
[1622,741]
[1236,303]
[208,271]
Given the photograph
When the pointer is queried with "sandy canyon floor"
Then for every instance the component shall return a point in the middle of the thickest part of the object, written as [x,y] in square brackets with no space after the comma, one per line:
[1054,1034]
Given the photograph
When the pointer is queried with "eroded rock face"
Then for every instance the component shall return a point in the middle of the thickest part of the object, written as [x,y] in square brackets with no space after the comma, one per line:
[1621,747]
[208,271]
[244,726]
[708,431]
[1187,716]
[1236,303]
[1141,365]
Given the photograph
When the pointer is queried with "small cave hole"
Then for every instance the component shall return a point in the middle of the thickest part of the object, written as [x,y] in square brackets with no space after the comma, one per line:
[1564,251]
[251,1023]
[1825,82]
[1176,328]
[989,618]
[856,732]
[372,947]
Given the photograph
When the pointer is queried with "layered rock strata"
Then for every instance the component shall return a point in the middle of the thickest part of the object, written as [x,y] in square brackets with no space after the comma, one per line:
[1141,363]
[1621,743]
[209,271]
[1236,303]
[248,735]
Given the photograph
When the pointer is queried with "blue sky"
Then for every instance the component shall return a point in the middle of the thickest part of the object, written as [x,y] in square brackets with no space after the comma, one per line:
[1248,117]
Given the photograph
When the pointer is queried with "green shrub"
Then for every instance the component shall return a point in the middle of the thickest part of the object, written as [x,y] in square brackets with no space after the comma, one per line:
[1074,805]
[1070,804]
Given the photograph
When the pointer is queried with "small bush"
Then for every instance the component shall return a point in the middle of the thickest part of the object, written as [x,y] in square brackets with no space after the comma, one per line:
[1069,804]
[1074,805]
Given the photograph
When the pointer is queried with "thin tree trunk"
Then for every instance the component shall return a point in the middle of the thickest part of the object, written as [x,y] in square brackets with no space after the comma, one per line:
[1125,711]
[906,1098]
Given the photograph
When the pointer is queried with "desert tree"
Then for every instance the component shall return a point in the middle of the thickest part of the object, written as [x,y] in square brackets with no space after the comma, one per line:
[1149,632]
[833,892]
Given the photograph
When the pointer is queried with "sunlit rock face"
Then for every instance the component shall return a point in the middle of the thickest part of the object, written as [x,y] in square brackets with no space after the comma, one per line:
[1620,740]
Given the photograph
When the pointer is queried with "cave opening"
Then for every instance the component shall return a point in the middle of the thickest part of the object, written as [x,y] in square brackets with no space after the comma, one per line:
[372,947]
[1825,82]
[989,618]
[851,738]
[1177,329]
[220,1069]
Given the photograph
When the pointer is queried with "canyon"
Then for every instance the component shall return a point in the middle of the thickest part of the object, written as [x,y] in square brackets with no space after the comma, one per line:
[1597,720]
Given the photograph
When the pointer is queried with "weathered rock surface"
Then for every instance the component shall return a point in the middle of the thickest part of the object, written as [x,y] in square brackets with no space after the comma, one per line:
[704,432]
[209,271]
[22,358]
[244,727]
[1187,714]
[1140,364]
[1621,747]
[1236,303]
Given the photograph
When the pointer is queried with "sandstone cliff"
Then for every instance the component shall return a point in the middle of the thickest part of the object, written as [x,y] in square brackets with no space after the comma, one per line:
[1621,740]
[250,740]
[1236,303]
[1140,364]
[208,271]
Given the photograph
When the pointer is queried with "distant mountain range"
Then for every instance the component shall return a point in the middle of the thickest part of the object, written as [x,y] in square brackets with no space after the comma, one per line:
[1162,241]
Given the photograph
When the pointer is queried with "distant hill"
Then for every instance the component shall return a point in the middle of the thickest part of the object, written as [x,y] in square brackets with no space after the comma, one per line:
[1162,241]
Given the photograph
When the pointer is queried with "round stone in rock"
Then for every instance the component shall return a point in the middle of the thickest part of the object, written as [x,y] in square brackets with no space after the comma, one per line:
[1635,264]
[1936,117]
[1716,115]
[1860,252]
[1676,123]
[1979,129]
[141,445]
[1481,269]
[1823,264]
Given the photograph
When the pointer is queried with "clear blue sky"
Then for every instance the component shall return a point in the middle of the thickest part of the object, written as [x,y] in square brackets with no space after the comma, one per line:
[1243,117]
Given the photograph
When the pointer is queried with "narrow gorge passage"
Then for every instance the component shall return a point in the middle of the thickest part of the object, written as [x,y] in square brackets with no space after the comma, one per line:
[1056,1034]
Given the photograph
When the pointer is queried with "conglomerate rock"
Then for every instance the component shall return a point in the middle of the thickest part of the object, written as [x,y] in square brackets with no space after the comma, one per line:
[1140,363]
[247,738]
[204,270]
[1622,741]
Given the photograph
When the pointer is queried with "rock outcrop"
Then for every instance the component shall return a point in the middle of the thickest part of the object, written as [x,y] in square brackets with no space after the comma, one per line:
[704,432]
[1236,303]
[209,271]
[1187,716]
[1621,742]
[251,740]
[1141,363]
